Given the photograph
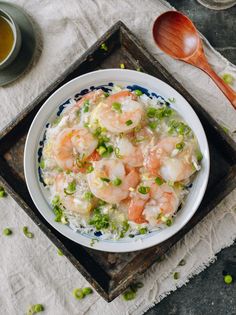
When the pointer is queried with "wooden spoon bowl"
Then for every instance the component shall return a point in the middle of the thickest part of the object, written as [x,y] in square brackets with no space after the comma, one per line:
[176,35]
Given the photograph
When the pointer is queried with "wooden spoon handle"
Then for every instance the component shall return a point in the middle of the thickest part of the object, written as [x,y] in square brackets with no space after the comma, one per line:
[225,88]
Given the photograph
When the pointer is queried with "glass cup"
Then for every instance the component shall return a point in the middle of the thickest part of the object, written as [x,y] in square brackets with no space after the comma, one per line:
[217,4]
[16,43]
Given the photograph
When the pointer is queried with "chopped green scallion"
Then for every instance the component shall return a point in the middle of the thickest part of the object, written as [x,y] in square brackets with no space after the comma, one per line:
[117,107]
[151,112]
[42,164]
[199,156]
[143,230]
[117,153]
[159,181]
[143,190]
[59,252]
[169,222]
[128,122]
[228,78]
[105,179]
[78,294]
[88,195]
[172,100]
[117,182]
[228,279]
[101,150]
[2,192]
[71,188]
[104,47]
[27,233]
[37,308]
[180,146]
[176,275]
[7,232]
[87,291]
[138,92]
[90,168]
[153,124]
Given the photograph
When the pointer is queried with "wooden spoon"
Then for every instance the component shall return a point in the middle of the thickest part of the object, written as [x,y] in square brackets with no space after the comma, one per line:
[175,34]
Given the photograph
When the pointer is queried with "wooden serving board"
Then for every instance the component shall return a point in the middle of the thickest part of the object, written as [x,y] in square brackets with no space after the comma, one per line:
[111,273]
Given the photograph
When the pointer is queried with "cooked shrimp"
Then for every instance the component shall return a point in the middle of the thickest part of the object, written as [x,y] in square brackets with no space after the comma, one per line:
[166,161]
[95,97]
[69,143]
[74,202]
[129,153]
[163,203]
[119,112]
[102,178]
[160,200]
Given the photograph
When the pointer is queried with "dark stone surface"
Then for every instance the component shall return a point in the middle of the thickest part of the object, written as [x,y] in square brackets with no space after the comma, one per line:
[219,27]
[207,294]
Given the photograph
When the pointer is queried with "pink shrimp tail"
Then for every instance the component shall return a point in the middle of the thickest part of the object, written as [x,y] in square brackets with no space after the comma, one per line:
[135,210]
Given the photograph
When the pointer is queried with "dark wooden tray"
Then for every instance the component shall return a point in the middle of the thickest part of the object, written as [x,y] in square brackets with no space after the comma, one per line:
[111,273]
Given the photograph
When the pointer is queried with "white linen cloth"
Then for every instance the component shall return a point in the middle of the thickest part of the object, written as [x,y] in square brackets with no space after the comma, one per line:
[30,270]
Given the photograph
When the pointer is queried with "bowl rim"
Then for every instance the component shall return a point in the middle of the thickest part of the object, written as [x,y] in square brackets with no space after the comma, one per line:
[112,246]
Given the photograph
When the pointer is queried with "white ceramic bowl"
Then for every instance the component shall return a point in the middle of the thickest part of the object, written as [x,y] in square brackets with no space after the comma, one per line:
[48,113]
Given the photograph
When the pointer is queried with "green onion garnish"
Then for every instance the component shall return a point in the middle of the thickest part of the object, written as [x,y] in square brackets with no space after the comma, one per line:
[117,182]
[37,308]
[78,294]
[159,181]
[128,122]
[87,291]
[90,168]
[228,78]
[143,190]
[117,153]
[101,150]
[99,220]
[97,132]
[86,106]
[88,196]
[172,100]
[59,252]
[71,188]
[42,164]
[138,92]
[125,228]
[130,294]
[27,233]
[151,112]
[228,279]
[105,179]
[180,145]
[176,275]
[7,232]
[143,230]
[2,192]
[199,156]
[169,222]
[152,124]
[104,47]
[117,107]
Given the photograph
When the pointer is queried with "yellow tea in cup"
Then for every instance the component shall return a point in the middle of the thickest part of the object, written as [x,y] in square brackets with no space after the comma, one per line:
[6,38]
